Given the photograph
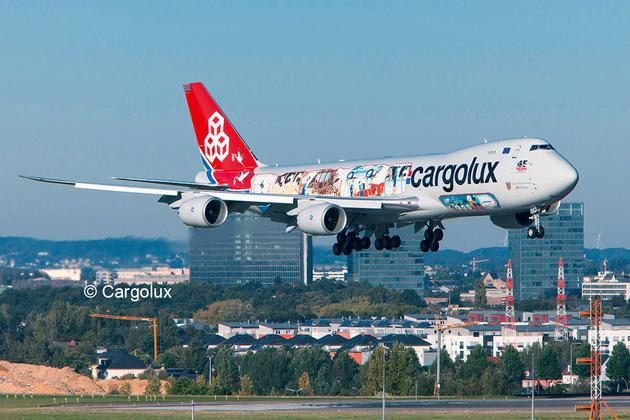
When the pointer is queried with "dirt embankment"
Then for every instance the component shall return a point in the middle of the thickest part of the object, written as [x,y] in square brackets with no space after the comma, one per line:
[22,378]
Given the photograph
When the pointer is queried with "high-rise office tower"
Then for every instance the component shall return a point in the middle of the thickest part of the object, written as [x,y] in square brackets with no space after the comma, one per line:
[535,261]
[250,249]
[400,268]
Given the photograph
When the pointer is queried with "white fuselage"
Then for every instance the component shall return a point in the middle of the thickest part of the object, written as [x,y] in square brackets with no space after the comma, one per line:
[499,177]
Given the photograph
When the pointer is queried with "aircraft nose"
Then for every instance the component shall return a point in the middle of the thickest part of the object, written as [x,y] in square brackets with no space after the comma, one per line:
[567,175]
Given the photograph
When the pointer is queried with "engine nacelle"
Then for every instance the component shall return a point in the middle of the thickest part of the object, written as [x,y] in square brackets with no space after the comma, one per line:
[512,221]
[203,212]
[322,219]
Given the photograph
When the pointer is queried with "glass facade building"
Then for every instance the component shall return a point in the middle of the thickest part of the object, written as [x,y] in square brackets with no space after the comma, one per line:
[250,249]
[535,261]
[401,268]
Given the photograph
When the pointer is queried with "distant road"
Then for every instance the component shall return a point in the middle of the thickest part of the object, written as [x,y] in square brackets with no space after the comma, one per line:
[450,405]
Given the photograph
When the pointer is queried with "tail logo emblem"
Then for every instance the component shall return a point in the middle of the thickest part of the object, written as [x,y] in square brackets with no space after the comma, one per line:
[217,143]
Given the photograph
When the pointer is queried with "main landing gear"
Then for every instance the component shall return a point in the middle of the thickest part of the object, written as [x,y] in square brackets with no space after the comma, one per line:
[351,241]
[536,230]
[431,241]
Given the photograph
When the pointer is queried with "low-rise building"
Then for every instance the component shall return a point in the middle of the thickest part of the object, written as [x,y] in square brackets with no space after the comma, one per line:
[605,285]
[334,275]
[71,274]
[116,363]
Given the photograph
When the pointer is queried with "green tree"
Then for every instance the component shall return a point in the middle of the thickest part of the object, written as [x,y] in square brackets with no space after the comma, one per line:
[153,385]
[618,366]
[304,383]
[402,367]
[475,364]
[317,365]
[547,364]
[583,370]
[492,381]
[512,369]
[446,363]
[227,375]
[247,386]
[225,310]
[269,370]
[480,295]
[373,373]
[345,374]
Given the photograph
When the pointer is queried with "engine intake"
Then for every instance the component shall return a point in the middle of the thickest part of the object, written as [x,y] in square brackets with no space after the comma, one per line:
[322,219]
[203,212]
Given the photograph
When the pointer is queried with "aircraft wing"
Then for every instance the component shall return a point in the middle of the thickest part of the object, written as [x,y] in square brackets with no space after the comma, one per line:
[174,196]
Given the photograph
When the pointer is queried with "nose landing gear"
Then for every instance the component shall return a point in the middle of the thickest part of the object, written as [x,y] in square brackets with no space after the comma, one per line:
[536,231]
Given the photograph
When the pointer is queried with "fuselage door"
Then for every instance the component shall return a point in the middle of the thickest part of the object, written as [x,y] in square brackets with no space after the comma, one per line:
[515,152]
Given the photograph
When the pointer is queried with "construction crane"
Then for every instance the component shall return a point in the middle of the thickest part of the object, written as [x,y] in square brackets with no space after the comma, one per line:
[474,262]
[439,328]
[136,318]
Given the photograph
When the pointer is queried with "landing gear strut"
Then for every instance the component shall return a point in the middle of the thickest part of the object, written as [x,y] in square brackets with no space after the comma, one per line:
[432,238]
[536,230]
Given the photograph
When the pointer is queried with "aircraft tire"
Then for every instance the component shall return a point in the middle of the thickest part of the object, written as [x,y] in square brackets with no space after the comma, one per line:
[396,241]
[532,232]
[378,244]
[365,242]
[347,250]
[435,246]
[341,237]
[357,244]
[438,234]
[428,234]
[337,249]
[424,245]
[387,243]
[541,232]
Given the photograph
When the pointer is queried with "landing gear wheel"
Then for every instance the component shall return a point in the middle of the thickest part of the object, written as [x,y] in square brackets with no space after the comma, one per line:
[438,234]
[541,232]
[428,234]
[435,246]
[387,242]
[341,237]
[366,242]
[532,232]
[337,249]
[356,244]
[347,250]
[396,241]
[424,245]
[378,244]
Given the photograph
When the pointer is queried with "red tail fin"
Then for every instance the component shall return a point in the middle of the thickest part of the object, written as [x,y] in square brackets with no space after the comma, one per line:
[222,149]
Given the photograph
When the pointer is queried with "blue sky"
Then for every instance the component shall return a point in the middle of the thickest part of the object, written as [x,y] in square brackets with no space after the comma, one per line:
[91,90]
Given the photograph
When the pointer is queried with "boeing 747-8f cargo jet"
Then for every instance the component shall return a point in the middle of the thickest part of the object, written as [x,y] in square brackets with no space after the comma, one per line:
[514,182]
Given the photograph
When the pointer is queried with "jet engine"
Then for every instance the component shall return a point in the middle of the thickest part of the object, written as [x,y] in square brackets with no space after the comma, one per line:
[322,219]
[203,212]
[512,221]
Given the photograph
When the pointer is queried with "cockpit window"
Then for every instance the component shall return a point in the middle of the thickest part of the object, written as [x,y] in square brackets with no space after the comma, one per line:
[541,147]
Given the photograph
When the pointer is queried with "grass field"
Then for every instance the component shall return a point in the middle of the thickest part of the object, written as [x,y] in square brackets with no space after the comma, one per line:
[32,414]
[62,408]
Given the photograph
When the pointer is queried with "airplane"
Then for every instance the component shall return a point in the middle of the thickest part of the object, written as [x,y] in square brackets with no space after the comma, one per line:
[515,182]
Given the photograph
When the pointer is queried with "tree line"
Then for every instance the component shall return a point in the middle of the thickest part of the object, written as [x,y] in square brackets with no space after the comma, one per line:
[311,371]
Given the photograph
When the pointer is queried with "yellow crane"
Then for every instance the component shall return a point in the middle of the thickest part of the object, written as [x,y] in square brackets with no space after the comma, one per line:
[439,327]
[136,318]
